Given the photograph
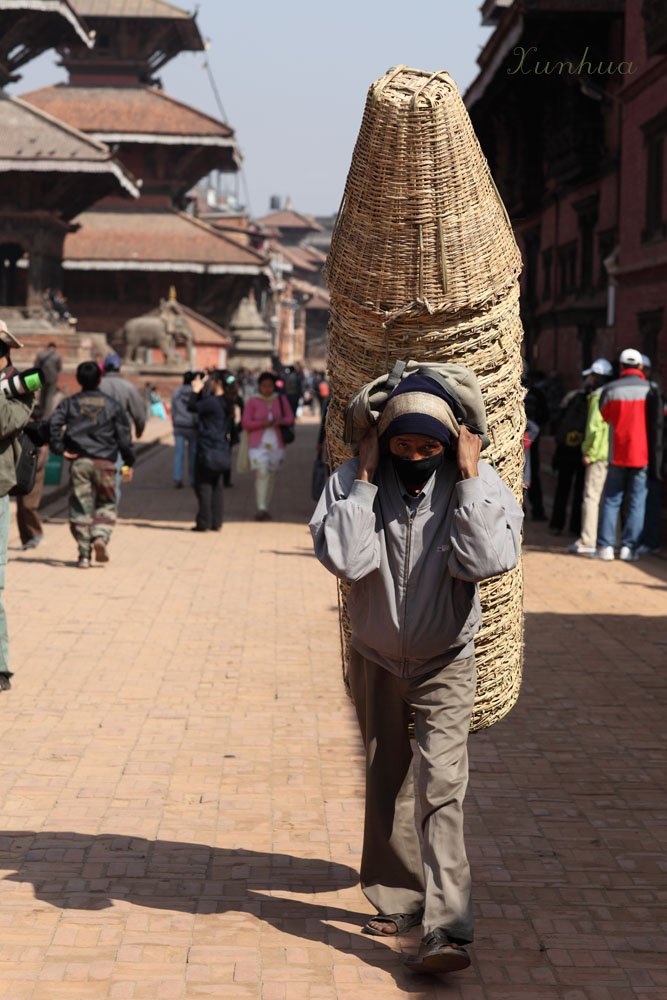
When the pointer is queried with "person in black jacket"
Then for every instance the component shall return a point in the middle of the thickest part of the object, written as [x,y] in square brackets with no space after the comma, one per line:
[213,454]
[90,429]
[537,410]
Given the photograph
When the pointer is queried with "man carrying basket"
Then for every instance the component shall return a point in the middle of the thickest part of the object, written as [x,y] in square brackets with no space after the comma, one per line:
[414,523]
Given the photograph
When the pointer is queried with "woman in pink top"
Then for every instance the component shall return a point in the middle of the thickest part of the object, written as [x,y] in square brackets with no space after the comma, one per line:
[263,416]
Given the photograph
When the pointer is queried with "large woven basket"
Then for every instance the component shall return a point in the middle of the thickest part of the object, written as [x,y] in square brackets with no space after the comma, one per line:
[424,265]
[421,228]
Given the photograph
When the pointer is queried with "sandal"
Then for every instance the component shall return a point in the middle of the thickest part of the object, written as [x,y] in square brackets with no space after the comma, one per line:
[438,953]
[402,922]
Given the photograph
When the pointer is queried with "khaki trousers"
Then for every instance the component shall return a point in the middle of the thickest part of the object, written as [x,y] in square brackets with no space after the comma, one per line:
[596,474]
[398,874]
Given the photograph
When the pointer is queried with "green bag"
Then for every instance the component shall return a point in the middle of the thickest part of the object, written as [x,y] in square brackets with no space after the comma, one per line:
[53,470]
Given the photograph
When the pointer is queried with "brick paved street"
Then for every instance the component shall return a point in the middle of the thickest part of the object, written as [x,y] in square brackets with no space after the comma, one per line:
[182,790]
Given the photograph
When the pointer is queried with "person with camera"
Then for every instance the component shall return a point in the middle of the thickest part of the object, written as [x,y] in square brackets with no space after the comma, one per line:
[15,408]
[90,429]
[212,454]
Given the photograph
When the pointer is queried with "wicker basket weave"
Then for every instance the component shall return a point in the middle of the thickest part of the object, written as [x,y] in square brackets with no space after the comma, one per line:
[419,195]
[421,229]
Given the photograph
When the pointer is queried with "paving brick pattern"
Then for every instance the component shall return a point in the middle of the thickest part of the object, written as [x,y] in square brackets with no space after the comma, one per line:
[182,790]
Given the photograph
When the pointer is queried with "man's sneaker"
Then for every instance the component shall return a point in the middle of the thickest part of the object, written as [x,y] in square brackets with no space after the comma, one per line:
[604,552]
[627,554]
[646,550]
[579,549]
[84,562]
[32,543]
[100,549]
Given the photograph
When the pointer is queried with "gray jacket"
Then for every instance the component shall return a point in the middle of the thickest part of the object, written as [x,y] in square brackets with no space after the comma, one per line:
[128,396]
[414,602]
[184,420]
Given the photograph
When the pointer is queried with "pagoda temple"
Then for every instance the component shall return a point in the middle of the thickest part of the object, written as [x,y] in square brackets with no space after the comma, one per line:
[253,343]
[27,29]
[49,171]
[124,258]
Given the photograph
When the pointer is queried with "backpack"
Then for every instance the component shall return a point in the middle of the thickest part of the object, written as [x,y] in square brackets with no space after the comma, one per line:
[26,467]
[365,408]
[571,428]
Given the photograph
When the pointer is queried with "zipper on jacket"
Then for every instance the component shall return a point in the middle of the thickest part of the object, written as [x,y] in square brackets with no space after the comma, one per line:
[408,552]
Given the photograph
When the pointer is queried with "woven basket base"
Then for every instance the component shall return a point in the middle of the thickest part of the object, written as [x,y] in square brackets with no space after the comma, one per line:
[360,350]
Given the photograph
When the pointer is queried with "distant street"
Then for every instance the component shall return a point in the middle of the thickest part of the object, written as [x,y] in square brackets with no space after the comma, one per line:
[183,784]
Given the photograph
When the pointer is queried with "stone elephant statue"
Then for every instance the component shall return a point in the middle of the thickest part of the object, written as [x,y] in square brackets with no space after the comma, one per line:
[162,332]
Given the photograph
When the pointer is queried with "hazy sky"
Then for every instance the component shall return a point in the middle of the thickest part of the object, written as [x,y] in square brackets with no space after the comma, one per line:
[293,77]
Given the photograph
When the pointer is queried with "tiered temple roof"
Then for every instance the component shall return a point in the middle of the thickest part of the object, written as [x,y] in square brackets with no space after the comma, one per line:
[168,146]
[134,38]
[290,224]
[138,115]
[306,259]
[30,27]
[130,8]
[164,240]
[49,171]
[36,143]
[131,114]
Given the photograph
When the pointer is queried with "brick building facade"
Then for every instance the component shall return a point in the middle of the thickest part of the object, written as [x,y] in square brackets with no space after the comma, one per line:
[300,297]
[569,107]
[641,270]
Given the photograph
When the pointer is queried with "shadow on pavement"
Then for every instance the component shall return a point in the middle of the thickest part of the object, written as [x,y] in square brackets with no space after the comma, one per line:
[77,871]
[291,552]
[61,563]
[538,539]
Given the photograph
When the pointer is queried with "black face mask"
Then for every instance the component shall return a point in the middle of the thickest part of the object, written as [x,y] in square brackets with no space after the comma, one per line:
[414,473]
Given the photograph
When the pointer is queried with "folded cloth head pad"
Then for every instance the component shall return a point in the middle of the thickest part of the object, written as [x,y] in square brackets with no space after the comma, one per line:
[458,388]
[419,405]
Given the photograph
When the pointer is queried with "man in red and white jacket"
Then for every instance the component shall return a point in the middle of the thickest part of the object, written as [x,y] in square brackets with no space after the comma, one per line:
[623,406]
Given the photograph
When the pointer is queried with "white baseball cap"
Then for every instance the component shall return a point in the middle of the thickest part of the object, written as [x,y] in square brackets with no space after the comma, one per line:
[8,337]
[599,367]
[631,357]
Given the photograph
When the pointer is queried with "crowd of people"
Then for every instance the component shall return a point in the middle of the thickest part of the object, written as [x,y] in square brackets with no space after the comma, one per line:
[214,411]
[608,457]
[93,429]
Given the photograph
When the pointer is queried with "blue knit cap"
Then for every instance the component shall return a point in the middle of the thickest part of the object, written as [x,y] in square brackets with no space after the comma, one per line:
[415,420]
